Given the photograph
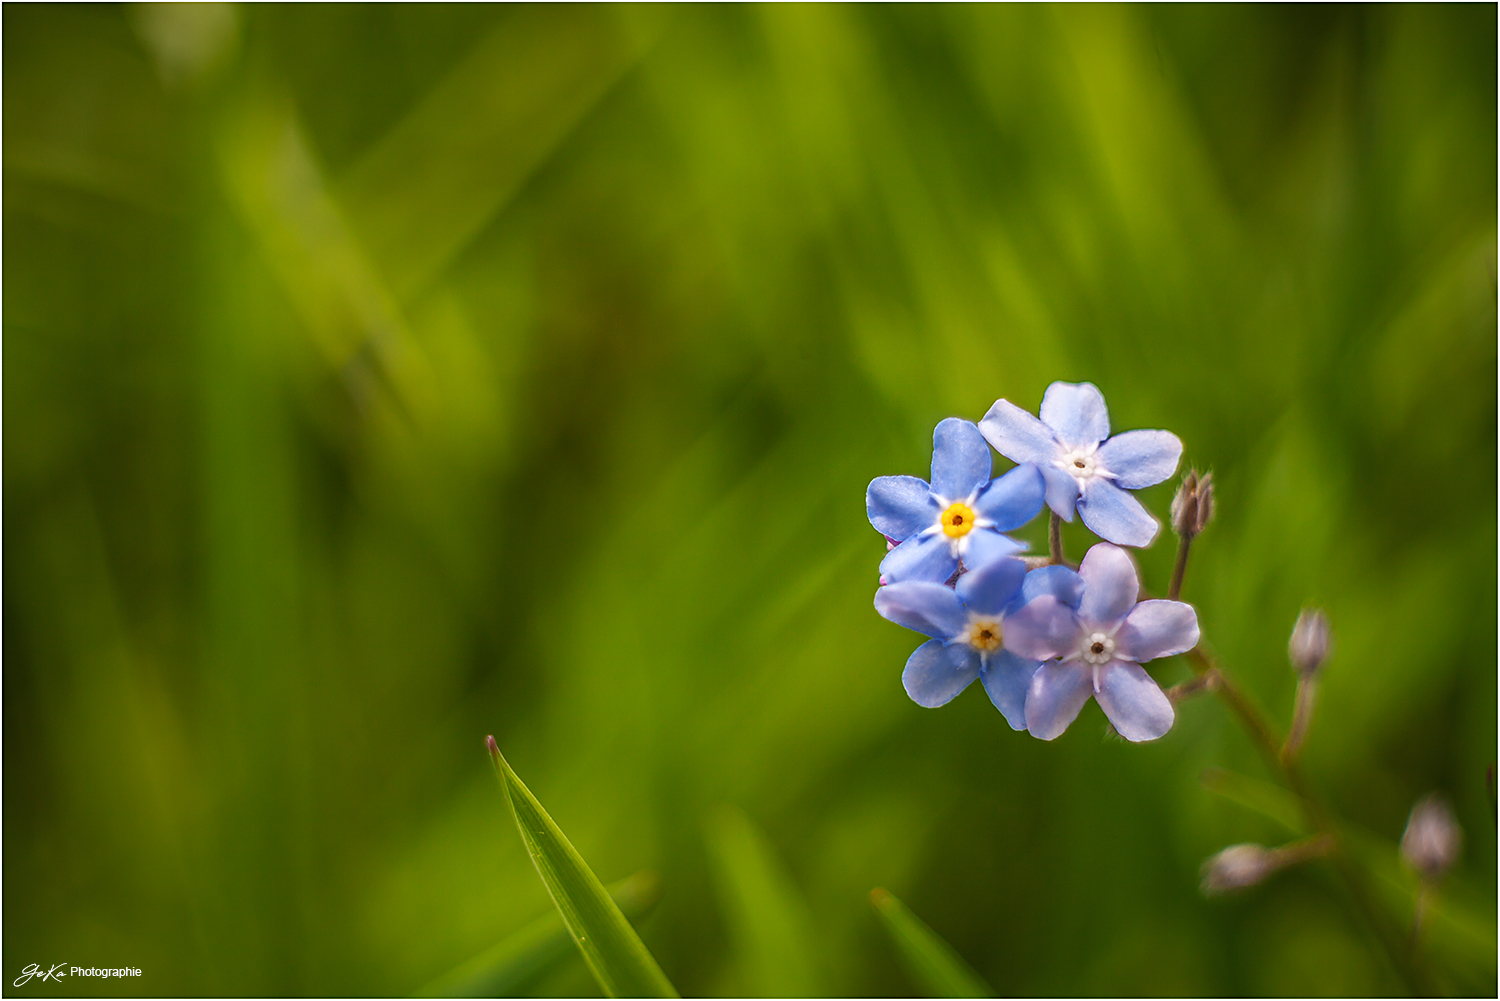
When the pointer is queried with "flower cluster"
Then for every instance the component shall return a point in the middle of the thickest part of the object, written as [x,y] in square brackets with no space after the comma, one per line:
[1045,640]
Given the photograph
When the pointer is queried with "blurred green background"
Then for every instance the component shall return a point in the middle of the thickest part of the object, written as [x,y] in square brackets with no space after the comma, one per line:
[376,378]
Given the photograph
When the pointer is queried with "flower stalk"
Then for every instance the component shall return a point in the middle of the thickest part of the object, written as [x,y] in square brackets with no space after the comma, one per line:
[1306,699]
[1320,820]
[1199,685]
[1240,866]
[1192,509]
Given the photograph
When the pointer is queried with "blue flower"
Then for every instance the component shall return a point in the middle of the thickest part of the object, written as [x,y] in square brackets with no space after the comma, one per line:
[959,516]
[1100,645]
[967,626]
[1081,467]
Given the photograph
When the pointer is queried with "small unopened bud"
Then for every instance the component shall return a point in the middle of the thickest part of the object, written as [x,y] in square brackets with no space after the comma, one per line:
[1193,504]
[1311,642]
[1205,500]
[1237,867]
[1185,505]
[1433,838]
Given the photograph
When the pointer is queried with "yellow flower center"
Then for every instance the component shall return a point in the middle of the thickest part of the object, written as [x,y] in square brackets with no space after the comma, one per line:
[985,634]
[957,520]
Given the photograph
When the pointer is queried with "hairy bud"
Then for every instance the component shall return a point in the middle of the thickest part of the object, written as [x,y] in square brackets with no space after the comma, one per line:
[1205,500]
[1311,642]
[1185,505]
[1237,867]
[1193,504]
[1433,838]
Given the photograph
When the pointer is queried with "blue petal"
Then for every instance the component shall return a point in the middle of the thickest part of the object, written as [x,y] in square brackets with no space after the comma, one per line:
[1018,435]
[986,546]
[1076,413]
[1062,583]
[1041,629]
[936,673]
[1110,585]
[900,506]
[1062,491]
[989,589]
[1115,515]
[960,459]
[922,557]
[928,608]
[1006,680]
[1141,458]
[1013,499]
[1157,629]
[1134,702]
[1057,693]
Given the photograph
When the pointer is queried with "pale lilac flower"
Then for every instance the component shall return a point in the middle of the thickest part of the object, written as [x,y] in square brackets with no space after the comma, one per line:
[959,516]
[1099,647]
[967,626]
[1084,467]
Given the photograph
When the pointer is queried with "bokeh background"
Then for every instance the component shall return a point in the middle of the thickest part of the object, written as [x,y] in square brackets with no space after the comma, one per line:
[380,377]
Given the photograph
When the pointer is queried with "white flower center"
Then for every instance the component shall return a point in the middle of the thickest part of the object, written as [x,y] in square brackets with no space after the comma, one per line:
[983,633]
[1083,464]
[1097,648]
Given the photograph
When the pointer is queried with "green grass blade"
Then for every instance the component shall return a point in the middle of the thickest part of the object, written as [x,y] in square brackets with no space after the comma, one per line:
[934,965]
[768,919]
[1268,800]
[612,949]
[504,969]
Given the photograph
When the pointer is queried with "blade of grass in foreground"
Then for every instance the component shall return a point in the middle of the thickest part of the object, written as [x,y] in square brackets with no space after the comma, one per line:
[933,964]
[1266,799]
[511,965]
[612,949]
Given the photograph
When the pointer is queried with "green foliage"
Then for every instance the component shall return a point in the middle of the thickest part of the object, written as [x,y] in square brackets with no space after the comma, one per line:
[614,952]
[770,928]
[382,376]
[509,967]
[933,965]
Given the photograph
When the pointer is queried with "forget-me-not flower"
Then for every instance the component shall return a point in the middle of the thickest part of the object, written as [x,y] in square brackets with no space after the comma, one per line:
[959,516]
[1082,464]
[1101,644]
[967,626]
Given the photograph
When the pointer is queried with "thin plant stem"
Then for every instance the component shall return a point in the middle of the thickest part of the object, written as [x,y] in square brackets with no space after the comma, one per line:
[1193,686]
[1316,847]
[1054,538]
[1419,912]
[1307,695]
[1179,569]
[1319,819]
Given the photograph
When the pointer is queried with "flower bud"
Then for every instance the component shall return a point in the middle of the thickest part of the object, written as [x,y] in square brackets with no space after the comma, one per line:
[1205,500]
[1433,838]
[1237,867]
[1185,505]
[1311,642]
[1193,504]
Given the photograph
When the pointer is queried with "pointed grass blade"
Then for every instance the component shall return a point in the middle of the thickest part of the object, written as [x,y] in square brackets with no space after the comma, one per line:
[769,924]
[507,968]
[611,948]
[933,964]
